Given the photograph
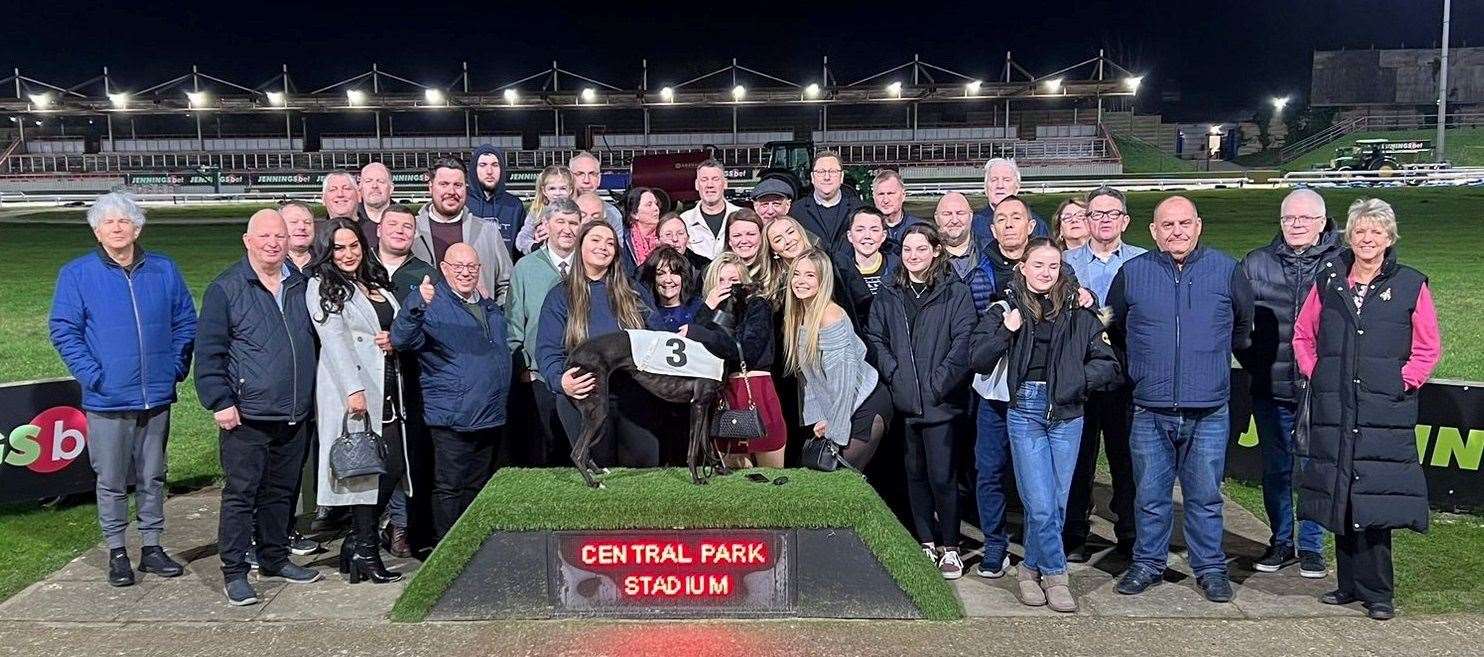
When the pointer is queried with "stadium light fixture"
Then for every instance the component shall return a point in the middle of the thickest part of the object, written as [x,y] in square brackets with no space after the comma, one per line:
[667,94]
[1214,129]
[355,97]
[434,96]
[589,95]
[511,96]
[1132,83]
[972,88]
[277,99]
[120,100]
[196,98]
[42,100]
[1053,85]
[895,89]
[739,92]
[1279,104]
[812,91]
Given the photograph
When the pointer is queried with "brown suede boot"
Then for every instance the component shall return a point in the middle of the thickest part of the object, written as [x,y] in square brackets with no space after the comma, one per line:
[1028,589]
[1059,593]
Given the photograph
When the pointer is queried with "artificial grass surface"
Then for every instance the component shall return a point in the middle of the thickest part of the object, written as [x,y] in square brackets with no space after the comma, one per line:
[665,499]
[1142,157]
[526,499]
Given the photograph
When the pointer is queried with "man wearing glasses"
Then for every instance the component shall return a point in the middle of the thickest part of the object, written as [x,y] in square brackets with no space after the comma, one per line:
[589,176]
[1281,274]
[446,221]
[1107,413]
[826,212]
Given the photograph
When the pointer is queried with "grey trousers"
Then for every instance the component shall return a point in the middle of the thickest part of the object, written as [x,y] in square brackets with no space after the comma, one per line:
[123,446]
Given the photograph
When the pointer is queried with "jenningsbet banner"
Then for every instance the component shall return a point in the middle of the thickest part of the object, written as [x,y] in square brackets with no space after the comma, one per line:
[1450,441]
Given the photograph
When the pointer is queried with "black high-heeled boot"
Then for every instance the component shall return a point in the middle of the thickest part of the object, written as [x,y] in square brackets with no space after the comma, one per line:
[366,563]
[347,549]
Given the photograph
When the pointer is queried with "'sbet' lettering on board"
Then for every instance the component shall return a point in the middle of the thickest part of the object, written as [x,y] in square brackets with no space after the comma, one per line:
[49,443]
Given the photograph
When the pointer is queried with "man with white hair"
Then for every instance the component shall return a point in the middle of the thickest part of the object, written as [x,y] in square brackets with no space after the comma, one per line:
[587,173]
[1001,179]
[340,195]
[376,189]
[123,322]
[1281,274]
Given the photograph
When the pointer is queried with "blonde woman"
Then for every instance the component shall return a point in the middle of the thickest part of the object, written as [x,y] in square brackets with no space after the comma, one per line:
[844,402]
[752,326]
[554,182]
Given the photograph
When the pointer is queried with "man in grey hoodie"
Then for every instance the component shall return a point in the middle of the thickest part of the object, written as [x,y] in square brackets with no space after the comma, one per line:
[446,220]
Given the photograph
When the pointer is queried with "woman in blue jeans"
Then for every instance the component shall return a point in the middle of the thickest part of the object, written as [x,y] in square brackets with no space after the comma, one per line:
[1056,353]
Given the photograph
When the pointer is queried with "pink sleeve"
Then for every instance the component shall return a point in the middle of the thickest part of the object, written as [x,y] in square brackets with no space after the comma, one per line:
[1305,328]
[1427,344]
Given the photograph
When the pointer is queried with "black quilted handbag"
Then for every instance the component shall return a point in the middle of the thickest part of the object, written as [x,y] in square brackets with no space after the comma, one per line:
[742,424]
[357,454]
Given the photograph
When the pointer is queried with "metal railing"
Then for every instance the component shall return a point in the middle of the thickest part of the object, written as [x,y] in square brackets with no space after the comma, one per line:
[938,153]
[1371,123]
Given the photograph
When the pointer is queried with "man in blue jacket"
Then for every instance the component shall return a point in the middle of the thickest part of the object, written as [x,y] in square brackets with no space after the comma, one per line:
[255,362]
[1177,316]
[459,337]
[488,199]
[1001,180]
[123,321]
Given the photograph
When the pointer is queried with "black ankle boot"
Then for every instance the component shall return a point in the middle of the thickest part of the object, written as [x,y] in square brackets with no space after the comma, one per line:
[365,563]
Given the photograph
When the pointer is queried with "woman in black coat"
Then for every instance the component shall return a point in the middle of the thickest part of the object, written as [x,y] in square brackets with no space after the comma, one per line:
[1366,340]
[920,325]
[1055,352]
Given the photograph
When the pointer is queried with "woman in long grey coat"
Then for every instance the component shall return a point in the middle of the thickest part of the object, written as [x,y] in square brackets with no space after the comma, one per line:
[356,382]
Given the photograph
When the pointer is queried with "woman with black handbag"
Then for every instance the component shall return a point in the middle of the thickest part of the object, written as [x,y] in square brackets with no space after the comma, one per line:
[920,324]
[750,387]
[358,393]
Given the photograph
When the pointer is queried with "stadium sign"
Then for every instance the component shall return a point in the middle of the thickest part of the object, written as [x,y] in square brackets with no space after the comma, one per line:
[681,572]
[43,437]
[183,179]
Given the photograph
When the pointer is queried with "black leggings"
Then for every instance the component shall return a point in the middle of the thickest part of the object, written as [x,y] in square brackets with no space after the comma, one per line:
[366,517]
[931,487]
[627,441]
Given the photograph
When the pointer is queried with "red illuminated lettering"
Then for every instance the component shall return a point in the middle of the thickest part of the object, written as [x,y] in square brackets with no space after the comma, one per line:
[671,586]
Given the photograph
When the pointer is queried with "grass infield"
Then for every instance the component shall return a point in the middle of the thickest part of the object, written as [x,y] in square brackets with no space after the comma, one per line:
[526,499]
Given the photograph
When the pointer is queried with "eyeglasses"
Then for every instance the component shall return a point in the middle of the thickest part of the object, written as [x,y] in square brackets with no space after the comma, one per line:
[827,172]
[1106,215]
[1299,219]
[462,269]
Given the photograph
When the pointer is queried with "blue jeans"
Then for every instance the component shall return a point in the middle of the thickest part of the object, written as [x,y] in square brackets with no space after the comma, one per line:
[1189,444]
[1045,455]
[992,458]
[1275,437]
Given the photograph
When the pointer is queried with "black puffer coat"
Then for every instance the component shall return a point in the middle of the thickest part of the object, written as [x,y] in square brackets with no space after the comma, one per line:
[1362,470]
[1280,280]
[924,362]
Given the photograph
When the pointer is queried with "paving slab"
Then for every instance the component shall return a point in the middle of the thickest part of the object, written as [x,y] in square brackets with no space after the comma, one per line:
[73,601]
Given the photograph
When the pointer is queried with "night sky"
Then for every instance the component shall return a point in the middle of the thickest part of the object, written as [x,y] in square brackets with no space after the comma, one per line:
[1217,55]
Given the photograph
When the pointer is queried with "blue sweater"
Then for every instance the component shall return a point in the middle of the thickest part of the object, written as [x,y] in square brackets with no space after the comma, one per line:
[1177,327]
[551,330]
[464,363]
[125,336]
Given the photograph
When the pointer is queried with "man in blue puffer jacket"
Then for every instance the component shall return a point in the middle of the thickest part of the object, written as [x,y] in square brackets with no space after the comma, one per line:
[123,322]
[1178,313]
[459,337]
[488,200]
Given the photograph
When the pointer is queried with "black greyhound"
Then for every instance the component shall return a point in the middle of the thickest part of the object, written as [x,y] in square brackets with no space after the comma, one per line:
[606,354]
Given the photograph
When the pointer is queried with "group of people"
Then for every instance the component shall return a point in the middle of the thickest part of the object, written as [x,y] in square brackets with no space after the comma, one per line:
[902,344]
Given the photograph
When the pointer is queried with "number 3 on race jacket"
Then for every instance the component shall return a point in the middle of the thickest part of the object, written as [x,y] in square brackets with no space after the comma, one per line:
[668,354]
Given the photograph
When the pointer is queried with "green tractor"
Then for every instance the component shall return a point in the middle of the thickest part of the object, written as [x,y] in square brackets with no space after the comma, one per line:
[1382,155]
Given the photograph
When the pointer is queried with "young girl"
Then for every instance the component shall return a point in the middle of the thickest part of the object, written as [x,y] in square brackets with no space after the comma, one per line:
[752,326]
[554,182]
[1057,353]
[352,308]
[843,401]
[920,324]
[671,283]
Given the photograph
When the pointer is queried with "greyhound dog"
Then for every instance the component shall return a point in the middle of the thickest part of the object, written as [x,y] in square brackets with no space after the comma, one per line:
[605,354]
